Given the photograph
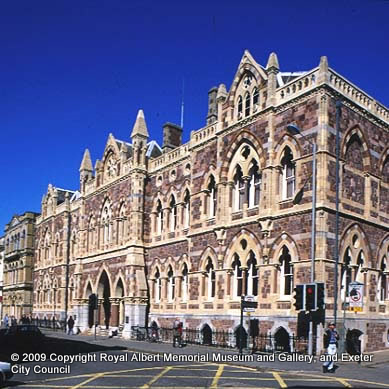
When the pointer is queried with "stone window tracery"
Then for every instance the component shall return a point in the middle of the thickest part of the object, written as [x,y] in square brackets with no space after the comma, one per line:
[252,275]
[210,280]
[237,276]
[239,189]
[288,174]
[106,216]
[286,273]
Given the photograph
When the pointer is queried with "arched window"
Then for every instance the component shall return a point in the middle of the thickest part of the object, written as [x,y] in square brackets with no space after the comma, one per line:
[240,107]
[158,286]
[288,174]
[358,273]
[212,197]
[252,275]
[247,106]
[186,209]
[210,279]
[239,189]
[255,100]
[159,217]
[121,225]
[106,223]
[238,279]
[354,152]
[286,276]
[90,238]
[171,284]
[254,189]
[346,274]
[185,283]
[383,282]
[173,214]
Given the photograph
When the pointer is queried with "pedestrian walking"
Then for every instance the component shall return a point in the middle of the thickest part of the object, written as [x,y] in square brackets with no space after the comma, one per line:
[331,338]
[6,320]
[70,325]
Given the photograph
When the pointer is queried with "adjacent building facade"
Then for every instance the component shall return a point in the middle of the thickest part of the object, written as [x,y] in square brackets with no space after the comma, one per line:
[184,230]
[18,263]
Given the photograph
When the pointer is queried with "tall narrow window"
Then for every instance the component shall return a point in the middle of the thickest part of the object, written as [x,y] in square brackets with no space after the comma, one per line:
[286,283]
[288,174]
[240,107]
[238,279]
[106,223]
[358,274]
[254,185]
[211,279]
[247,107]
[252,275]
[383,282]
[185,283]
[90,240]
[239,189]
[158,287]
[212,197]
[346,274]
[173,214]
[255,100]
[171,284]
[186,209]
[159,217]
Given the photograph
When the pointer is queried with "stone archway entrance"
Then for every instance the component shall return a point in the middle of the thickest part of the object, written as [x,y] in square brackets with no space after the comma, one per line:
[241,337]
[104,294]
[282,340]
[206,332]
[117,310]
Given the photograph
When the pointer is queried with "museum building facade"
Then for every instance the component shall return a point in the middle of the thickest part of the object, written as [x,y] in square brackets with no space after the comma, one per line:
[184,230]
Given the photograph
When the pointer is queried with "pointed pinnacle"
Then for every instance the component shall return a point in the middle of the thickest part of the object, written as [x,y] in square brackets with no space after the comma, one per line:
[140,127]
[86,163]
[273,62]
[323,63]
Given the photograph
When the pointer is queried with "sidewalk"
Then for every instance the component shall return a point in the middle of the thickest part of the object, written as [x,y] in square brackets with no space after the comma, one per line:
[160,348]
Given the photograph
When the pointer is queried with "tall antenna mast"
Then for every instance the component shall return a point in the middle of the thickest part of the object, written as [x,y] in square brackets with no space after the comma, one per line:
[182,105]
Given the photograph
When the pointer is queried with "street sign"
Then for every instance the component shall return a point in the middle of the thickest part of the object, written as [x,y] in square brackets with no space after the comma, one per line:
[249,304]
[355,292]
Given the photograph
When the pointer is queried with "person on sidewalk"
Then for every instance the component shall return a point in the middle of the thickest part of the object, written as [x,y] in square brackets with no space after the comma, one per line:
[176,333]
[331,338]
[70,325]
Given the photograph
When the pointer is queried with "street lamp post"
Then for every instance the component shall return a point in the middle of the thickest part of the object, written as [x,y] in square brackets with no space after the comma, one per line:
[294,130]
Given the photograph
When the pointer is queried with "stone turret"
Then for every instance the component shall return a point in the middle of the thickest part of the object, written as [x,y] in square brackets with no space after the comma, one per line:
[139,136]
[86,169]
[272,69]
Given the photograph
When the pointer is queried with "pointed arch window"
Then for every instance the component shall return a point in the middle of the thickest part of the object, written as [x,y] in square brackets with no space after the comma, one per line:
[358,273]
[255,99]
[185,283]
[240,107]
[158,287]
[238,278]
[211,279]
[121,225]
[90,238]
[286,274]
[288,174]
[383,281]
[252,275]
[173,214]
[159,217]
[247,105]
[239,189]
[254,185]
[171,284]
[106,223]
[186,209]
[212,197]
[346,274]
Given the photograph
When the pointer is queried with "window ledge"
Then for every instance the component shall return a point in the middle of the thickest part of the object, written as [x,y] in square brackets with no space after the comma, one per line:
[284,299]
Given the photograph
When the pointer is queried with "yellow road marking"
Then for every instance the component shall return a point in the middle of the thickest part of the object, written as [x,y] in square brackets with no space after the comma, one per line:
[157,377]
[280,381]
[217,376]
[81,384]
[343,381]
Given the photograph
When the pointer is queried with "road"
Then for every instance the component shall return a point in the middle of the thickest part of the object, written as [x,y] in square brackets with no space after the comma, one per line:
[112,367]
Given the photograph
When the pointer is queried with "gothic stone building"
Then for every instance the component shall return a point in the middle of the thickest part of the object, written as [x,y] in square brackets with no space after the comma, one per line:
[186,229]
[18,259]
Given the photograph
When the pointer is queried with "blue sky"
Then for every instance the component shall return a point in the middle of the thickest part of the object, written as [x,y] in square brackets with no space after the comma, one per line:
[71,72]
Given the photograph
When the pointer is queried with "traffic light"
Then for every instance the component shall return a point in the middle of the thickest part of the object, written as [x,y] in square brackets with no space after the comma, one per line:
[93,301]
[320,296]
[299,297]
[310,297]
